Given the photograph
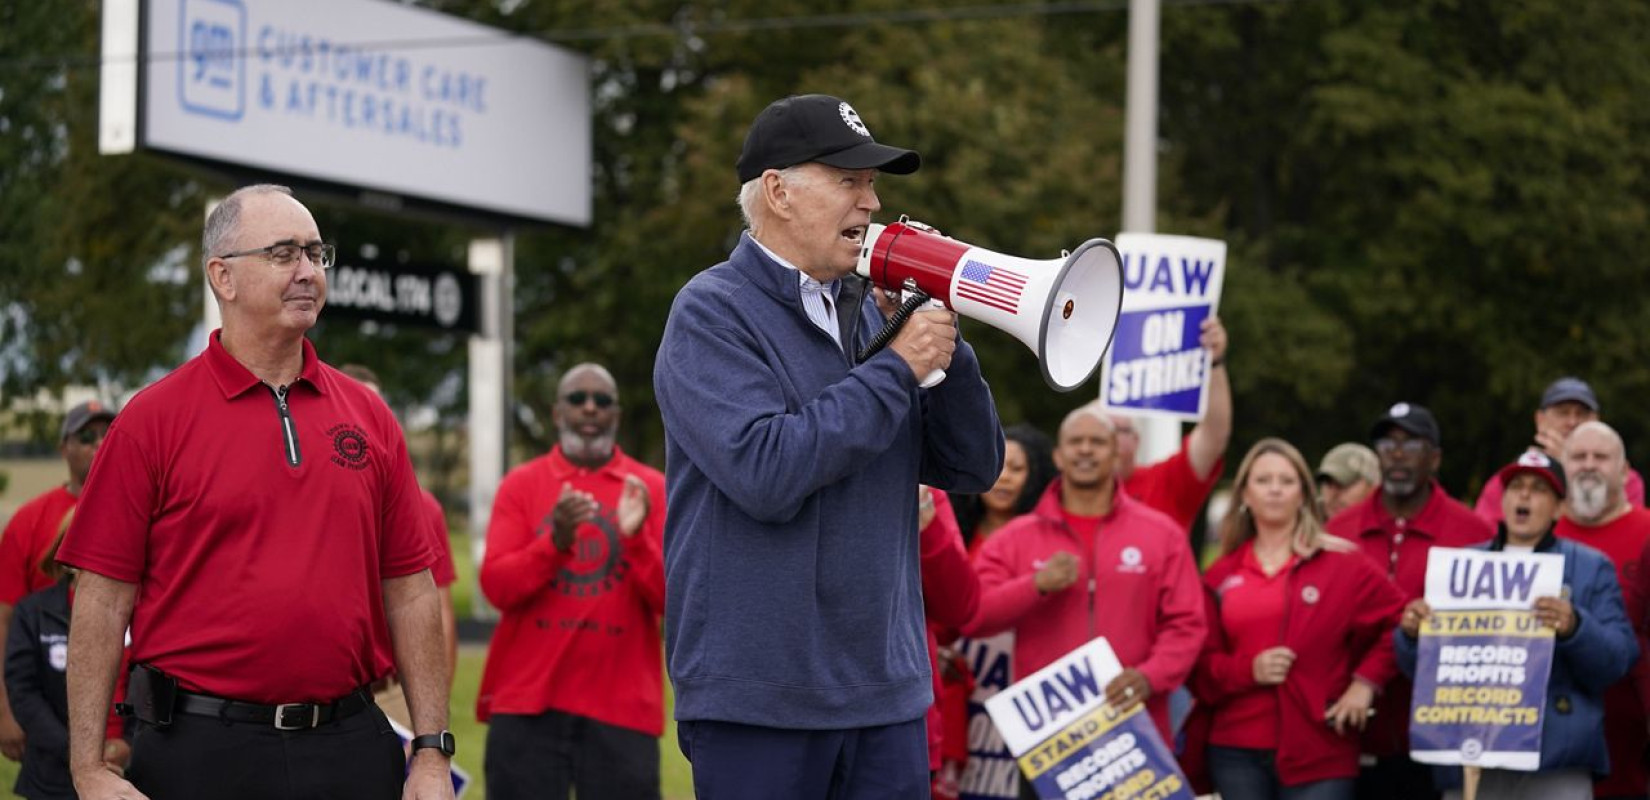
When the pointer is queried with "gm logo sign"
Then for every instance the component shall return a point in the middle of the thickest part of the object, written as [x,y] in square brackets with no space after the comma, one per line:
[212,75]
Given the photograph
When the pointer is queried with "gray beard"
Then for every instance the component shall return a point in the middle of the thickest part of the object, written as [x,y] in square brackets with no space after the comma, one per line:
[587,448]
[1400,489]
[1589,496]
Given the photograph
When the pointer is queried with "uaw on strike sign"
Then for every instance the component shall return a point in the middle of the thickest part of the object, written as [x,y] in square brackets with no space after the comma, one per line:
[1073,745]
[1483,661]
[1155,366]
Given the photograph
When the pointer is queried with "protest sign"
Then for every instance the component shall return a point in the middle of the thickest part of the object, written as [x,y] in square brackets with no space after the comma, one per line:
[1483,661]
[991,773]
[1072,745]
[1155,366]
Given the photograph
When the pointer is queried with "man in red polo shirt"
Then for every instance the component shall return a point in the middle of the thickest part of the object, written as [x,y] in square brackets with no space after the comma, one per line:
[1179,485]
[573,691]
[35,526]
[253,516]
[1092,561]
[1597,513]
[1396,526]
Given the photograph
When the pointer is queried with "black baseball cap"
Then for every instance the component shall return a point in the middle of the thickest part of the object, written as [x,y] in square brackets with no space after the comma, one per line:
[1411,419]
[817,127]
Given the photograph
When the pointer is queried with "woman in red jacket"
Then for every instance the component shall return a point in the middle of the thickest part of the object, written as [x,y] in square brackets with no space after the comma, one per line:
[1299,641]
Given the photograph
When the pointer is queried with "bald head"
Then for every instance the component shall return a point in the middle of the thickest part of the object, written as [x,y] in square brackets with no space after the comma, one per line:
[1090,411]
[577,373]
[1595,461]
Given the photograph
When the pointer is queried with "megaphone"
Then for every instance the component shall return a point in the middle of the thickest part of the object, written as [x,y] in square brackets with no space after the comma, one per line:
[1065,309]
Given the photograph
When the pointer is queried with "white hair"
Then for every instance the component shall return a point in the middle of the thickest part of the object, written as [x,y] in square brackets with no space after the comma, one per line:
[750,193]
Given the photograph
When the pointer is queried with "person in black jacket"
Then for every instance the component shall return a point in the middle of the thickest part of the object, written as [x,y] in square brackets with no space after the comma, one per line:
[37,653]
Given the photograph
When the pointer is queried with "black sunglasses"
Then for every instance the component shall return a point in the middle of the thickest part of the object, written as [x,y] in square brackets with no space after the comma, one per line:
[89,435]
[578,398]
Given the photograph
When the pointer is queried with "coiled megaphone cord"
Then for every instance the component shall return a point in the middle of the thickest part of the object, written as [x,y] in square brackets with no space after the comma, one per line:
[915,300]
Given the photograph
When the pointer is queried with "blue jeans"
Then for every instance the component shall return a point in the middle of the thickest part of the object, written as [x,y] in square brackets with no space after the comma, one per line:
[750,762]
[1241,773]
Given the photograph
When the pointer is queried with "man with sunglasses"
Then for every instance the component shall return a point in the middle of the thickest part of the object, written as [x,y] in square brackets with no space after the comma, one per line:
[35,526]
[794,615]
[1396,526]
[254,518]
[573,691]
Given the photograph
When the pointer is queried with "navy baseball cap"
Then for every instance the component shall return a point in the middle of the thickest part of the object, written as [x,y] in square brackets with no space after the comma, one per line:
[817,127]
[82,415]
[1569,389]
[1411,419]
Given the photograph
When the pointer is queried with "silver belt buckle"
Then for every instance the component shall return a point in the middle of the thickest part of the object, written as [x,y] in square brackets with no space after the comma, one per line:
[280,717]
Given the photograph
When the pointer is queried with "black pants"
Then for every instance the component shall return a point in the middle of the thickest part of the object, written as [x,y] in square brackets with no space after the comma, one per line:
[196,758]
[1396,776]
[544,756]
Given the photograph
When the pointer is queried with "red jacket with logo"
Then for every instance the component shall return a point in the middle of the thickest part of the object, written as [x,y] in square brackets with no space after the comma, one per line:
[578,632]
[1399,549]
[1138,588]
[1339,612]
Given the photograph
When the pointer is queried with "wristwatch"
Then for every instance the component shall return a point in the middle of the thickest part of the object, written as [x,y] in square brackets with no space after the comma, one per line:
[442,741]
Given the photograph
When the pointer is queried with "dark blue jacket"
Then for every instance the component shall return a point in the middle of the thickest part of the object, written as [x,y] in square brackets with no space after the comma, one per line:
[1600,650]
[793,591]
[37,653]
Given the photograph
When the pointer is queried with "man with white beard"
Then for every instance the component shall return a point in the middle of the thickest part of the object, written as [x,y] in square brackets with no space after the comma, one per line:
[573,691]
[1599,514]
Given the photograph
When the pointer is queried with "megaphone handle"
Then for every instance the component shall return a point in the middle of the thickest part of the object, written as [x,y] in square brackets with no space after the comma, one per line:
[933,379]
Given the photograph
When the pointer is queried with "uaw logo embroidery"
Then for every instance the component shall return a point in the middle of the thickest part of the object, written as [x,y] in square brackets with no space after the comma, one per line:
[1129,560]
[598,564]
[1231,582]
[850,116]
[350,449]
[1309,595]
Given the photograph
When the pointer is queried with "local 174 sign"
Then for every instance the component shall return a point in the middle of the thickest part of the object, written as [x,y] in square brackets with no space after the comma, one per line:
[1073,745]
[1155,366]
[444,298]
[1482,662]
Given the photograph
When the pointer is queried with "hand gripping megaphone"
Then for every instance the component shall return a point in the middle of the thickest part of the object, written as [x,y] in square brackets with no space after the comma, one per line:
[1065,309]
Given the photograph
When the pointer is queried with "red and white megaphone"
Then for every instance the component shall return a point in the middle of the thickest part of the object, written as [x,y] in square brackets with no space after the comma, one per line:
[1065,309]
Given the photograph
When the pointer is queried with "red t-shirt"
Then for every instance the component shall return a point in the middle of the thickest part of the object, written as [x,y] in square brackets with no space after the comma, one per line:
[28,536]
[1172,487]
[578,632]
[1252,606]
[1622,540]
[257,542]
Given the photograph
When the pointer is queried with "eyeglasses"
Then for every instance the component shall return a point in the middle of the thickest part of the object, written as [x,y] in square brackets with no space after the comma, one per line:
[1413,447]
[285,254]
[89,435]
[578,398]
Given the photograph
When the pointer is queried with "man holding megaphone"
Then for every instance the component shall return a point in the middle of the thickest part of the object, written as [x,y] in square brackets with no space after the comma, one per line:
[794,618]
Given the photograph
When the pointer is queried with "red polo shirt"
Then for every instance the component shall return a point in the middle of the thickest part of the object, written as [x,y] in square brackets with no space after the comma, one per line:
[1399,548]
[1252,606]
[28,536]
[257,540]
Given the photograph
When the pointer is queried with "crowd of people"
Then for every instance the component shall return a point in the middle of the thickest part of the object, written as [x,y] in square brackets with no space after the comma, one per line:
[834,527]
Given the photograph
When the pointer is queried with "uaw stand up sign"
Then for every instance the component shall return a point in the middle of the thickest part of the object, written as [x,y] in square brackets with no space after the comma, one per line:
[1072,745]
[1482,665]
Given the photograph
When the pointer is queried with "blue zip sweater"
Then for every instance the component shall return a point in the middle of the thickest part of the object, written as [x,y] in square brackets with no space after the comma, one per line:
[1600,650]
[793,592]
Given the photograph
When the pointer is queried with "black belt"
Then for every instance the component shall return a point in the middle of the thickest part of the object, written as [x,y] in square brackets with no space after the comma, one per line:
[286,716]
